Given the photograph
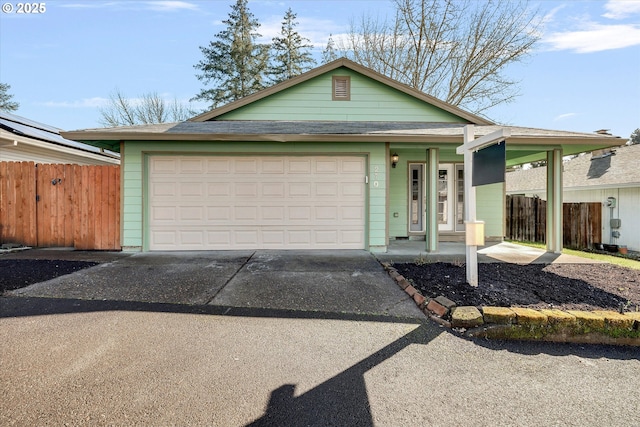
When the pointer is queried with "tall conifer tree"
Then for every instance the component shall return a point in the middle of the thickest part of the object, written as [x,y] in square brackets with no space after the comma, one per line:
[235,64]
[291,51]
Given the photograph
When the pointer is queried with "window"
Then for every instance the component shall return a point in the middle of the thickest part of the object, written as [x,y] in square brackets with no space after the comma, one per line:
[341,88]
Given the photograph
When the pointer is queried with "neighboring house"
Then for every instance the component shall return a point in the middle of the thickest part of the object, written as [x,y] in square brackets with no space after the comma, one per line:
[307,164]
[611,177]
[25,140]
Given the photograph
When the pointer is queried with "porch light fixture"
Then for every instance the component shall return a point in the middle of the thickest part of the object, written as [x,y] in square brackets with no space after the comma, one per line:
[394,159]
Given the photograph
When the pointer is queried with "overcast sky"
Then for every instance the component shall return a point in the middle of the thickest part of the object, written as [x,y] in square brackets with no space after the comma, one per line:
[62,64]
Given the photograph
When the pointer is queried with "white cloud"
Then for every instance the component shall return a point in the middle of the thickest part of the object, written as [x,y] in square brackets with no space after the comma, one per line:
[95,102]
[170,6]
[564,116]
[619,9]
[159,5]
[595,37]
[316,30]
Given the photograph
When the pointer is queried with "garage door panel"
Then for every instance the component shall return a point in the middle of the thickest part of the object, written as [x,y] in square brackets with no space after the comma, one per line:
[327,166]
[246,189]
[352,190]
[273,213]
[219,239]
[191,189]
[230,202]
[273,189]
[218,213]
[220,166]
[164,165]
[191,214]
[246,213]
[352,167]
[164,214]
[299,166]
[191,166]
[272,238]
[327,213]
[351,213]
[300,189]
[272,166]
[166,238]
[167,189]
[326,189]
[192,237]
[246,166]
[218,189]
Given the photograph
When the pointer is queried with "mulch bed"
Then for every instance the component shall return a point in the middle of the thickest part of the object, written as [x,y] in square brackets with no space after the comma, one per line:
[18,273]
[562,286]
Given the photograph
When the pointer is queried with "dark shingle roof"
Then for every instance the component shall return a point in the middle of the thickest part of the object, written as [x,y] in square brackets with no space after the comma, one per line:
[621,169]
[257,127]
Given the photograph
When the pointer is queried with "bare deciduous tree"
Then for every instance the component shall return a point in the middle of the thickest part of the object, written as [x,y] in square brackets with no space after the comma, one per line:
[455,50]
[150,108]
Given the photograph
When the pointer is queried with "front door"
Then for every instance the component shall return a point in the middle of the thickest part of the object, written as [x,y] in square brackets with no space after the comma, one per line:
[450,198]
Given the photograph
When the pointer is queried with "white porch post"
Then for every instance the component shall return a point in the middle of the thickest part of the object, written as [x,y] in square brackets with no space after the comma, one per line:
[471,252]
[433,159]
[554,200]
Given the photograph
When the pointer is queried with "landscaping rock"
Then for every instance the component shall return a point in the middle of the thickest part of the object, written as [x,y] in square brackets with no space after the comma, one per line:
[588,319]
[613,319]
[445,302]
[466,317]
[635,315]
[529,316]
[410,290]
[558,317]
[436,308]
[419,299]
[499,315]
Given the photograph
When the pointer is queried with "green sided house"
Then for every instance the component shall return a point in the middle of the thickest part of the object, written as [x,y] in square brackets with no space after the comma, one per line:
[340,157]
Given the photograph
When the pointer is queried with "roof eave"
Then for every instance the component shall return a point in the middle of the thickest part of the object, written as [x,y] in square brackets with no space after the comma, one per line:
[94,137]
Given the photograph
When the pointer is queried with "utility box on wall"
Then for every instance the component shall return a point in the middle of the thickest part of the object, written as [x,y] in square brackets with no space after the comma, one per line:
[615,223]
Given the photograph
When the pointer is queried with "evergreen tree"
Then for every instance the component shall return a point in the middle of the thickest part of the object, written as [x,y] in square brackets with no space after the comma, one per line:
[329,53]
[635,137]
[291,51]
[235,62]
[5,99]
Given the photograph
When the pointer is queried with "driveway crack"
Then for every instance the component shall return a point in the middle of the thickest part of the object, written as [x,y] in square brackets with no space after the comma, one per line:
[230,279]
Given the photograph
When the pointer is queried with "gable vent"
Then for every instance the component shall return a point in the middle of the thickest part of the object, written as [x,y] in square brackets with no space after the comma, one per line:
[341,88]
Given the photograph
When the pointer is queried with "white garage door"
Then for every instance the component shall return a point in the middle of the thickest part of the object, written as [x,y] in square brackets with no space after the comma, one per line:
[212,202]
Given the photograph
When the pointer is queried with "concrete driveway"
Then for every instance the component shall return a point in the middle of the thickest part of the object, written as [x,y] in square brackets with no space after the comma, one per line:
[141,341]
[320,281]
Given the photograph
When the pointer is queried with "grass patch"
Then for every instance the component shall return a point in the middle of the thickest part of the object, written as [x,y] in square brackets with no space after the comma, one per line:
[611,259]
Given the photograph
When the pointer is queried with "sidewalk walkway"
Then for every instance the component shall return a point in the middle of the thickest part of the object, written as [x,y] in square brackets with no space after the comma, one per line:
[411,250]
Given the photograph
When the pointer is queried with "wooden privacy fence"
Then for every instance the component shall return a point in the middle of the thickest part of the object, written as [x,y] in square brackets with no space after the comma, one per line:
[56,205]
[526,219]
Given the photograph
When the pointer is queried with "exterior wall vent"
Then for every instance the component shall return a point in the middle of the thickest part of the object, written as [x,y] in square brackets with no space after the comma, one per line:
[341,88]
